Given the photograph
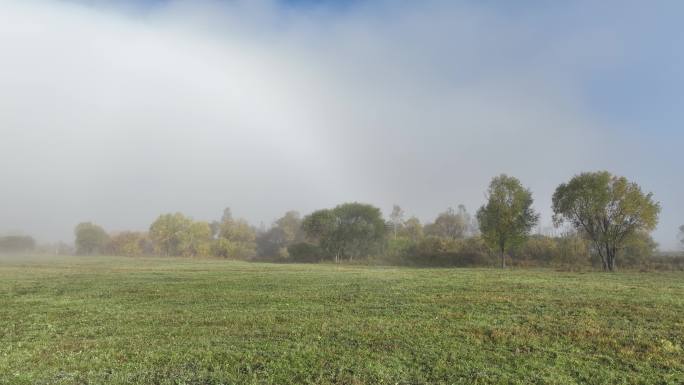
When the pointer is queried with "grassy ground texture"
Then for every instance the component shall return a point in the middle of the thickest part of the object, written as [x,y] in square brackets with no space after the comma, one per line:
[105,320]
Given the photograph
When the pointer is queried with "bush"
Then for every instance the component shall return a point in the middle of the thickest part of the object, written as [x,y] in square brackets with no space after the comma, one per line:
[664,262]
[304,252]
[225,248]
[573,252]
[397,251]
[433,245]
[441,252]
[539,250]
[474,252]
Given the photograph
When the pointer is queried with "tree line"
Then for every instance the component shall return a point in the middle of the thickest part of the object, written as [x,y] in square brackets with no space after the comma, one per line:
[14,244]
[604,218]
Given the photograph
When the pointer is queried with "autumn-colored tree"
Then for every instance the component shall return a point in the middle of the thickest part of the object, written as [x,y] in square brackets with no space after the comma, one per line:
[236,238]
[128,243]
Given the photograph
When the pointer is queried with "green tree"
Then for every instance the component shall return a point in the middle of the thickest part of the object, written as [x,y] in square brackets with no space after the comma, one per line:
[361,229]
[607,209]
[349,230]
[681,235]
[507,218]
[91,239]
[320,227]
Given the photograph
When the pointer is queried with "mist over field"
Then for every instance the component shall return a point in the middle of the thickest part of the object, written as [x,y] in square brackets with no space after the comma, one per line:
[116,112]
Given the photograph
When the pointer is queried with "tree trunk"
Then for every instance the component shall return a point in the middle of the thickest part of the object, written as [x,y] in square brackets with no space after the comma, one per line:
[604,260]
[612,267]
[503,259]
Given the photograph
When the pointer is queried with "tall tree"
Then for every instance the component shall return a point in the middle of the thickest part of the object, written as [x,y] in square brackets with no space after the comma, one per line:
[396,219]
[507,218]
[681,235]
[91,239]
[608,209]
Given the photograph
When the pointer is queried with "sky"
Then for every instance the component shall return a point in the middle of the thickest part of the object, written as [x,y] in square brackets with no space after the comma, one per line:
[118,111]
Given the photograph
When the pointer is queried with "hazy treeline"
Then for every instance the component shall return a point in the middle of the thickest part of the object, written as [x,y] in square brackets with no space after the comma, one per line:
[26,244]
[11,244]
[500,233]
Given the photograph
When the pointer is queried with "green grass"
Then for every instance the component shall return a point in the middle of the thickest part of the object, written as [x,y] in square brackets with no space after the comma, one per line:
[102,320]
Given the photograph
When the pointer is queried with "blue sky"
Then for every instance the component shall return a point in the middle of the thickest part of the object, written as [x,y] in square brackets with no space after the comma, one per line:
[302,104]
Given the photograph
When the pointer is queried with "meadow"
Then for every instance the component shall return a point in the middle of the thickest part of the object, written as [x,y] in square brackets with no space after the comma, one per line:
[107,320]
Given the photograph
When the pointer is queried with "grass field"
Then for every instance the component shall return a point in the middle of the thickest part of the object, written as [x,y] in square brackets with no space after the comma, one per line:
[102,320]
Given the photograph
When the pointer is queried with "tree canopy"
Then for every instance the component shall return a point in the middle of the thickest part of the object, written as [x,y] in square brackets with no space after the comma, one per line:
[129,243]
[176,234]
[347,231]
[507,218]
[608,209]
[451,224]
[237,239]
[91,239]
